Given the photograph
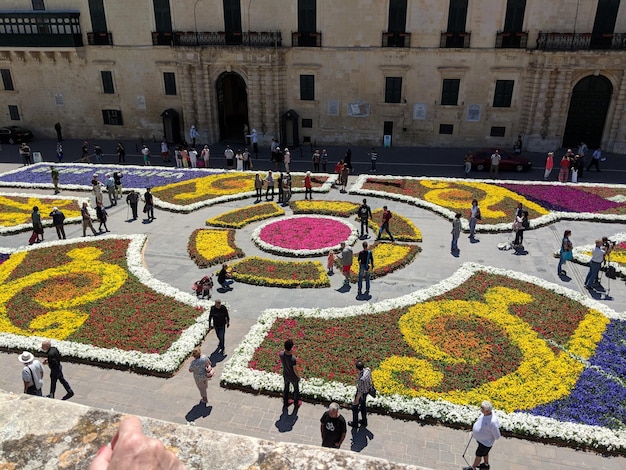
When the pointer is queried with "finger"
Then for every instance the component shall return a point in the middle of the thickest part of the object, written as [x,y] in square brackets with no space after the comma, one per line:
[129,426]
[102,459]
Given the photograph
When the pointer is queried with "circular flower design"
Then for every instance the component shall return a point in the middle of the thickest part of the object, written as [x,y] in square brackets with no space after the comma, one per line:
[304,235]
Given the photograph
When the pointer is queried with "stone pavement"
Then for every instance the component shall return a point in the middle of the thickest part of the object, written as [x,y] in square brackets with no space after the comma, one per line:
[176,399]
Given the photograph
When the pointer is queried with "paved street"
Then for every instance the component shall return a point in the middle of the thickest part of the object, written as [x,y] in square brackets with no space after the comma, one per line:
[176,399]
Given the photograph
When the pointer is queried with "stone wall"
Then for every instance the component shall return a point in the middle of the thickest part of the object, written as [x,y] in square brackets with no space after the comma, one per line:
[42,433]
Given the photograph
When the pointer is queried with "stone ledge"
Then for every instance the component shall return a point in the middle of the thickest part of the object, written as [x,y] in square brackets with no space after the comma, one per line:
[42,433]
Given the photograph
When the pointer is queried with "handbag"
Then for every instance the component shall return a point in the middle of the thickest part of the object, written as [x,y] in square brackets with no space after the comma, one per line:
[567,255]
[210,372]
[372,391]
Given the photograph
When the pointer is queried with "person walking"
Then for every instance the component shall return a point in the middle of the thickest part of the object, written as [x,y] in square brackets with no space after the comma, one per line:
[24,151]
[385,224]
[101,214]
[347,257]
[145,151]
[198,367]
[486,431]
[117,180]
[308,186]
[363,386]
[467,163]
[111,191]
[96,188]
[347,159]
[54,174]
[549,166]
[316,161]
[333,427]
[57,220]
[366,260]
[290,375]
[365,213]
[219,319]
[495,164]
[345,172]
[229,155]
[84,152]
[58,129]
[324,160]
[373,157]
[475,216]
[86,216]
[287,159]
[258,187]
[132,200]
[596,158]
[121,153]
[286,184]
[165,151]
[97,150]
[32,374]
[205,155]
[521,223]
[193,134]
[255,142]
[56,370]
[565,165]
[456,233]
[269,179]
[149,206]
[35,217]
[59,152]
[565,253]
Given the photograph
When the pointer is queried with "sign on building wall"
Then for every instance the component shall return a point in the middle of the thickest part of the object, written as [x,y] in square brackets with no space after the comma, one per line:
[473,112]
[358,109]
[332,108]
[58,99]
[141,102]
[419,111]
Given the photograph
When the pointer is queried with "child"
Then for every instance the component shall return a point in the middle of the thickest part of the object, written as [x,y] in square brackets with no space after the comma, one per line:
[331,262]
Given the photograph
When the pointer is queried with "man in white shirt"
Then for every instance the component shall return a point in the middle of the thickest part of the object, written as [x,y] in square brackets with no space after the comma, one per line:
[486,430]
[597,257]
[32,374]
[495,163]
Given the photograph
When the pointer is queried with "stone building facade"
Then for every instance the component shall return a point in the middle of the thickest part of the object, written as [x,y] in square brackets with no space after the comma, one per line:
[448,73]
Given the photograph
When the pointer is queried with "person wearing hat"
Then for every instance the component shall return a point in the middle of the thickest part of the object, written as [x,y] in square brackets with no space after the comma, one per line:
[96,186]
[32,374]
[110,185]
[57,220]
[56,370]
[54,174]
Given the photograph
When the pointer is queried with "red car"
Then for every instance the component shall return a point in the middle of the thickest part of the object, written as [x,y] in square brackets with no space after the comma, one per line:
[508,161]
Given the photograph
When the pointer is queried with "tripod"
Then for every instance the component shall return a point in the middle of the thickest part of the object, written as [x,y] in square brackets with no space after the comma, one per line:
[608,270]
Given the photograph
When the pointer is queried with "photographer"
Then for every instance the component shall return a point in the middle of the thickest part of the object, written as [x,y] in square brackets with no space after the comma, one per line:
[597,257]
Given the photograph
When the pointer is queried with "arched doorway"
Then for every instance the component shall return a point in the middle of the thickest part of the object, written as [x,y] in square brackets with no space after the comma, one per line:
[232,105]
[587,111]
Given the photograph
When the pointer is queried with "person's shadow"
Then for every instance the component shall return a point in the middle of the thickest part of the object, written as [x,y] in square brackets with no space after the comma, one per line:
[286,421]
[360,437]
[217,357]
[344,288]
[363,296]
[198,411]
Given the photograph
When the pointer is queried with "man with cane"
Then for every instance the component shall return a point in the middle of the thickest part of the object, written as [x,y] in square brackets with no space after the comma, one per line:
[486,430]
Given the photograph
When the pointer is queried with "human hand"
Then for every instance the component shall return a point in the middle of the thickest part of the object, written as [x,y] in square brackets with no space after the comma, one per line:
[130,449]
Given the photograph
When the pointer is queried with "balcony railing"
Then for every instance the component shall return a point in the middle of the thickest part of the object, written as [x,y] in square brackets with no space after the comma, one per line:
[517,40]
[40,29]
[581,41]
[221,38]
[100,39]
[455,39]
[396,39]
[303,39]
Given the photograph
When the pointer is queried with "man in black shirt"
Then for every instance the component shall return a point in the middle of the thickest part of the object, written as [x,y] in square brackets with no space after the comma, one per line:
[149,207]
[333,427]
[56,370]
[219,319]
[366,259]
[290,374]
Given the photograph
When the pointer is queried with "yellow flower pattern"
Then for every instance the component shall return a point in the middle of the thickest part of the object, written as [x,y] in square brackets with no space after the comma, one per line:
[17,210]
[542,376]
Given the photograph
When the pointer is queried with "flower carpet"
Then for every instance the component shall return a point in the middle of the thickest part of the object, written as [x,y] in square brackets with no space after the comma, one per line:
[304,235]
[334,208]
[16,209]
[402,228]
[208,247]
[241,217]
[98,303]
[388,257]
[545,202]
[276,273]
[552,361]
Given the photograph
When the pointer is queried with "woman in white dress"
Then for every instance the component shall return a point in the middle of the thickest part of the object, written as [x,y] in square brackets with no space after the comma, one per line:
[239,158]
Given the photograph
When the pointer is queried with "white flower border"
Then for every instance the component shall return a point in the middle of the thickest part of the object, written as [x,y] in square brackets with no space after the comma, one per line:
[256,237]
[165,363]
[236,371]
[553,216]
[183,208]
[45,219]
[582,258]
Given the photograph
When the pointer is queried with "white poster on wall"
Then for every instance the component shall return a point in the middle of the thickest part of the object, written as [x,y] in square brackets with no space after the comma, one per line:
[473,112]
[419,111]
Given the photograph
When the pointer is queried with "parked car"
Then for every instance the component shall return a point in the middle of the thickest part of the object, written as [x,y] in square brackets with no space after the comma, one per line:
[508,161]
[15,135]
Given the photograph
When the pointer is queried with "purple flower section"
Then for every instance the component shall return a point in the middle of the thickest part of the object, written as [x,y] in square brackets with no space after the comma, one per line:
[562,198]
[134,177]
[3,257]
[597,399]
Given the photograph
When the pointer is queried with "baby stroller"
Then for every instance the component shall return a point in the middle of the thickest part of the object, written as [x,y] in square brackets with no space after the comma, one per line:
[203,287]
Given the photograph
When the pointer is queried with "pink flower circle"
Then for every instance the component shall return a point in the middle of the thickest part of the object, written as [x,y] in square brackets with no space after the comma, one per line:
[305,233]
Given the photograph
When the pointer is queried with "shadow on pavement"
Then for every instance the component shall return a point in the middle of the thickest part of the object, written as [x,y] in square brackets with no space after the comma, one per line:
[198,411]
[360,437]
[286,421]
